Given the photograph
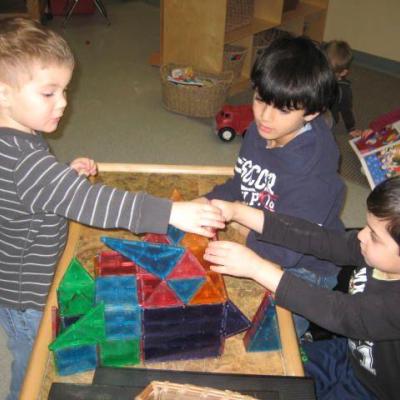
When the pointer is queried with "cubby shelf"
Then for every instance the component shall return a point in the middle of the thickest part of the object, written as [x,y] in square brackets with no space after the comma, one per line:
[193,32]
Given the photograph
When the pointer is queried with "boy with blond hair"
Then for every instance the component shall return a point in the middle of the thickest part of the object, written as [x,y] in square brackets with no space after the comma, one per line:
[38,194]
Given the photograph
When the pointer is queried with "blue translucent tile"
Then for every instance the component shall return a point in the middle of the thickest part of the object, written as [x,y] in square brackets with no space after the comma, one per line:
[235,320]
[185,288]
[264,334]
[156,258]
[72,360]
[123,322]
[116,290]
[175,234]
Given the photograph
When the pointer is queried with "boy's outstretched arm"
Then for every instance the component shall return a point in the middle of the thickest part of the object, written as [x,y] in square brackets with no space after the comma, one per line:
[241,213]
[237,260]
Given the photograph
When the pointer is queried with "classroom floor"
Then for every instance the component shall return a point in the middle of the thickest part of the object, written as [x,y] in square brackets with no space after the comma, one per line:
[115,112]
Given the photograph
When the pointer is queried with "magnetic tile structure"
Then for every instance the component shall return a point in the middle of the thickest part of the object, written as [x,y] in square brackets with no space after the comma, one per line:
[151,300]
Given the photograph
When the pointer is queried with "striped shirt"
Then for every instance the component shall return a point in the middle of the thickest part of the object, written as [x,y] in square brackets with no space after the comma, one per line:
[37,197]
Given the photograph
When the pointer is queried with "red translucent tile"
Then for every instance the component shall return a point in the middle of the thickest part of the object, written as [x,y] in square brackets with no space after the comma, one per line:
[187,267]
[114,263]
[156,238]
[162,296]
[147,284]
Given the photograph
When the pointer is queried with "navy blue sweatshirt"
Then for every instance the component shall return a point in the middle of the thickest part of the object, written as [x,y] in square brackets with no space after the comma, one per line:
[299,179]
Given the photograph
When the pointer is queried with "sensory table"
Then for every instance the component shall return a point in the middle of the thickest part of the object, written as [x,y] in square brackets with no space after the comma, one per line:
[84,243]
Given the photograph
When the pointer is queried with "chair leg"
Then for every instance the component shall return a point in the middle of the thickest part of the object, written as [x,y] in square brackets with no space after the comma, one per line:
[69,12]
[100,6]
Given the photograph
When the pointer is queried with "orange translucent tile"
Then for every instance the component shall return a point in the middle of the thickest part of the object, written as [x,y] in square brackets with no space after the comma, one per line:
[175,195]
[208,293]
[218,281]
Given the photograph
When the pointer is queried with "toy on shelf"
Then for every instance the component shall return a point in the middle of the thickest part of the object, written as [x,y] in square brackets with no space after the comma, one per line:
[151,300]
[233,120]
[379,152]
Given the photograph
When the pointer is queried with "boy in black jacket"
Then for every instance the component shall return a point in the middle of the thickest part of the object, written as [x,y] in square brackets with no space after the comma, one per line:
[366,365]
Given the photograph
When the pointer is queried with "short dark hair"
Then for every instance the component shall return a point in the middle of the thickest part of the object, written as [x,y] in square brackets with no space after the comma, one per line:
[293,73]
[384,203]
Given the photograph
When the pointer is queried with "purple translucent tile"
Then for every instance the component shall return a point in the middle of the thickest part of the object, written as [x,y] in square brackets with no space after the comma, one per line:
[235,320]
[202,347]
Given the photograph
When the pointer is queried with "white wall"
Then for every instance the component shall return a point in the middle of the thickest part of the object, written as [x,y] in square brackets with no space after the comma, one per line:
[370,26]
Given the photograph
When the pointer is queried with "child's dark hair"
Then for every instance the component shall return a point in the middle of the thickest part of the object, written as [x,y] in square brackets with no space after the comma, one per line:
[384,203]
[293,73]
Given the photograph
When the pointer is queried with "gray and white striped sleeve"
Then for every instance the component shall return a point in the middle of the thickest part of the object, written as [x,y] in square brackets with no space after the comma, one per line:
[45,185]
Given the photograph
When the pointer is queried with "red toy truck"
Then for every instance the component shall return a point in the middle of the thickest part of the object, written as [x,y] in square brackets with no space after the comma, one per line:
[233,120]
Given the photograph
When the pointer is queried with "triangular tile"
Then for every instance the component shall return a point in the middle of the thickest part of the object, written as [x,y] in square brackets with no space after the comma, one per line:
[196,245]
[235,320]
[208,293]
[158,259]
[187,267]
[90,329]
[147,284]
[156,238]
[185,288]
[175,234]
[264,332]
[163,296]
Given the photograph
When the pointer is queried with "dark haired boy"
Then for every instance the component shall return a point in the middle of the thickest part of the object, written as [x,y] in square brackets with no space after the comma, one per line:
[288,161]
[365,362]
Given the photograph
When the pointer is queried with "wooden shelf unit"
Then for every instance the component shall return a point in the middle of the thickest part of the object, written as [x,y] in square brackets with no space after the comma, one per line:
[30,8]
[193,31]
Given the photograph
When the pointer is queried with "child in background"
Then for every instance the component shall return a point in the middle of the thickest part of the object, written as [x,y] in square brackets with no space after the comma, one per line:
[365,364]
[340,56]
[288,161]
[39,195]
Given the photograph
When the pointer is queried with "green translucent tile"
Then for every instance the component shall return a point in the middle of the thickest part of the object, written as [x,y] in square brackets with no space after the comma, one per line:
[76,291]
[115,353]
[90,329]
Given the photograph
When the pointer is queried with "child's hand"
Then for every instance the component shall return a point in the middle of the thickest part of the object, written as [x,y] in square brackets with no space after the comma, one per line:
[232,259]
[227,208]
[84,166]
[195,217]
[237,260]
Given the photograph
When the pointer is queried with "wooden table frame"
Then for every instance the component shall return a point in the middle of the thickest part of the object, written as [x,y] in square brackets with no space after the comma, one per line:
[40,353]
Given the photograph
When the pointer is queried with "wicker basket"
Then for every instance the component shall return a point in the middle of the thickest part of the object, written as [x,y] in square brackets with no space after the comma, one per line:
[234,57]
[195,101]
[238,14]
[174,391]
[263,39]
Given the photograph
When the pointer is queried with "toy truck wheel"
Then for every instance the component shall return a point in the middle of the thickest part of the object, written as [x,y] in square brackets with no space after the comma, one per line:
[226,134]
